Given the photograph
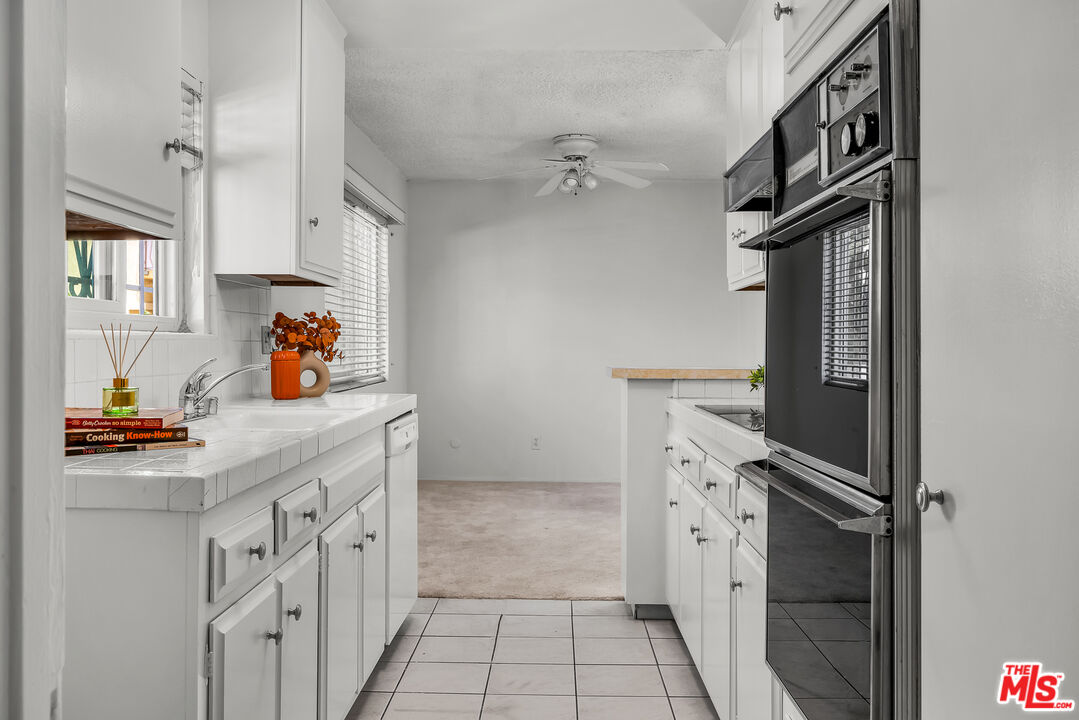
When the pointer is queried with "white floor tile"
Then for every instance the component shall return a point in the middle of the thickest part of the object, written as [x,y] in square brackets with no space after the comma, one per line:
[411,706]
[691,708]
[454,650]
[538,607]
[534,626]
[370,706]
[384,677]
[682,681]
[531,680]
[623,708]
[534,650]
[470,606]
[529,707]
[671,651]
[619,680]
[413,624]
[600,607]
[425,605]
[400,650]
[599,626]
[462,625]
[613,651]
[662,629]
[444,678]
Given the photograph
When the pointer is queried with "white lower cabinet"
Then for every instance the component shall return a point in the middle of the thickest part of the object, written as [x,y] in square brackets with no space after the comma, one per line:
[753,678]
[674,493]
[373,526]
[244,641]
[717,611]
[297,584]
[691,511]
[340,547]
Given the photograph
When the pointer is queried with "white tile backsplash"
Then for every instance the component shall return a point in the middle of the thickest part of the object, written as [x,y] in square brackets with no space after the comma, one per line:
[239,311]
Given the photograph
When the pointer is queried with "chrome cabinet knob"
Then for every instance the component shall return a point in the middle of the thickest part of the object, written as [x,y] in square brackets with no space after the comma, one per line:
[860,67]
[357,546]
[672,502]
[745,516]
[684,461]
[295,612]
[836,87]
[694,529]
[668,448]
[311,514]
[275,636]
[709,484]
[259,550]
[314,222]
[175,145]
[780,10]
[372,536]
[735,584]
[924,497]
[821,125]
[701,539]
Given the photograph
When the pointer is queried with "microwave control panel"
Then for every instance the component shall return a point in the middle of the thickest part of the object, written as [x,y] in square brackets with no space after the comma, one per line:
[854,107]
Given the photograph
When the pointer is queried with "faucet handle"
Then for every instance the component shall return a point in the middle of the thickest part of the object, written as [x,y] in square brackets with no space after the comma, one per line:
[211,406]
[194,373]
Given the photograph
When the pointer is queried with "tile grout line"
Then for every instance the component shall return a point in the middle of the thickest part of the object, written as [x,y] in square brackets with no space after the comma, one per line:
[662,680]
[573,654]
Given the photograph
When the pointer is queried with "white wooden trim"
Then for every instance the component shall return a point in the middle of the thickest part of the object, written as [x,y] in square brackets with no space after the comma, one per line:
[825,19]
[373,196]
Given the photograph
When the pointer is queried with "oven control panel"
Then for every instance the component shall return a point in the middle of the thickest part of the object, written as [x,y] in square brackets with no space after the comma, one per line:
[853,107]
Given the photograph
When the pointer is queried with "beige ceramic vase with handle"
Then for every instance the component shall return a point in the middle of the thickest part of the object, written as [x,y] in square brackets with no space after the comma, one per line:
[308,361]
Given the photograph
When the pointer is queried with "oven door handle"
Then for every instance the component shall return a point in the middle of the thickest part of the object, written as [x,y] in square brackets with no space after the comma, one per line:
[868,524]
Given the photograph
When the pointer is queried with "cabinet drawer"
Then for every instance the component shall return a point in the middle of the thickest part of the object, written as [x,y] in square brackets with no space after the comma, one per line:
[690,458]
[345,482]
[719,483]
[240,551]
[751,515]
[296,515]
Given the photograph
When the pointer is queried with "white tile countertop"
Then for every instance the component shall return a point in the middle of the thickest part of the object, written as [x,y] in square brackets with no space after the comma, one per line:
[745,442]
[248,442]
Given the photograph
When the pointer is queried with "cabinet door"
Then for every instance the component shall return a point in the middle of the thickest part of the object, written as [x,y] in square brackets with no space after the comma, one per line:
[673,538]
[123,105]
[373,525]
[753,692]
[691,507]
[750,110]
[340,549]
[297,584]
[243,683]
[771,62]
[733,128]
[322,152]
[717,615]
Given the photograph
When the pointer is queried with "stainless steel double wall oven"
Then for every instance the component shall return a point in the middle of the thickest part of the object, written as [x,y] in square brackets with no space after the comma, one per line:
[829,390]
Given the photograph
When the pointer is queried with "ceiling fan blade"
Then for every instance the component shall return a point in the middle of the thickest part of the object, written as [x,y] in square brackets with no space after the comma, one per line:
[620,177]
[558,160]
[550,185]
[519,172]
[633,165]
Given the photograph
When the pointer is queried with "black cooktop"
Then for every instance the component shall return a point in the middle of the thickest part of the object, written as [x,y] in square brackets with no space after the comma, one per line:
[747,416]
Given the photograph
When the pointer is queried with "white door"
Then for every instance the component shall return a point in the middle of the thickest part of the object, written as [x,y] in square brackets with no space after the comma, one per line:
[998,283]
[717,554]
[340,549]
[753,678]
[322,183]
[674,493]
[373,527]
[243,680]
[691,507]
[297,582]
[123,105]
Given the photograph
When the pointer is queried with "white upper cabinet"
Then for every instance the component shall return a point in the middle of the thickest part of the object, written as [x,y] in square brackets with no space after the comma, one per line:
[123,106]
[814,30]
[277,139]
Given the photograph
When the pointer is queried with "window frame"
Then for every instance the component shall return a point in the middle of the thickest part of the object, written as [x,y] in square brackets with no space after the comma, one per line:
[88,313]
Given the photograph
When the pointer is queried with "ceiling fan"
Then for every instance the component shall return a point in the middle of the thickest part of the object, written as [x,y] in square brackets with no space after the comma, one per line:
[577,170]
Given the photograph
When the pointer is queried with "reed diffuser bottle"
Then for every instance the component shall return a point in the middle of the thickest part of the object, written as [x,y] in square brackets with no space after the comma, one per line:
[121,398]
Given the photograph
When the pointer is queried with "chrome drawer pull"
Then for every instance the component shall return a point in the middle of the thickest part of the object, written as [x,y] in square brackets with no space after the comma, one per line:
[684,461]
[275,636]
[312,514]
[709,484]
[701,539]
[672,502]
[668,448]
[735,584]
[746,516]
[694,529]
[372,536]
[358,546]
[259,550]
[295,612]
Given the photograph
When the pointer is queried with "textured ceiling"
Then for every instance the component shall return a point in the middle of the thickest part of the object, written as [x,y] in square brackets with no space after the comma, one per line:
[464,89]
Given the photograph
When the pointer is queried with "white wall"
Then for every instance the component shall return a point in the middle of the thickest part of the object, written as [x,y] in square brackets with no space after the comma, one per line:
[518,305]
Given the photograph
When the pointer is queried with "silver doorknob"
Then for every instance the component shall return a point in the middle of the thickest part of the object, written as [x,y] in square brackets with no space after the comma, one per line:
[924,497]
[313,221]
[701,539]
[709,484]
[259,550]
[311,514]
[694,529]
[745,516]
[175,145]
[275,636]
[295,612]
[372,535]
[672,502]
[735,584]
[684,461]
[780,10]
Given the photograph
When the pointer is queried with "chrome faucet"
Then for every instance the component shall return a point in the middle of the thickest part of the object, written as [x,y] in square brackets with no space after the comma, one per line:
[194,391]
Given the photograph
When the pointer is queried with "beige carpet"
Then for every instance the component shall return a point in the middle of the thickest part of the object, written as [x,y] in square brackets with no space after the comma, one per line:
[520,540]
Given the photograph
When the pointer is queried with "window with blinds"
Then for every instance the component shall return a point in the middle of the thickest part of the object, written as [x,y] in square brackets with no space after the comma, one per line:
[191,124]
[845,305]
[361,301]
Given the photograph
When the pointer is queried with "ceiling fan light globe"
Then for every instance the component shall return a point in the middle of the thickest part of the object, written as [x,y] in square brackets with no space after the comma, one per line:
[590,181]
[565,189]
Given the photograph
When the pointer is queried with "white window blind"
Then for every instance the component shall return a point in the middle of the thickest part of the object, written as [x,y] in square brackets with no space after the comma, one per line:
[361,302]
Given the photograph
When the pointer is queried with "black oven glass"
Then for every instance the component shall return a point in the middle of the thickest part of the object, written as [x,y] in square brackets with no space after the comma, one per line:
[824,419]
[819,602]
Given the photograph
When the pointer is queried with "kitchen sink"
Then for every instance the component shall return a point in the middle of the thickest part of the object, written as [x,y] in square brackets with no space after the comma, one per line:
[270,419]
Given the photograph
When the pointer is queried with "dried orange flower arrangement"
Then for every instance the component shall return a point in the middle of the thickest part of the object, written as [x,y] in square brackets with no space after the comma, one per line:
[314,333]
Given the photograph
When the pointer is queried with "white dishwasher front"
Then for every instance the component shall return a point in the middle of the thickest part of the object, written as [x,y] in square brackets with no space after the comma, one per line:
[402,517]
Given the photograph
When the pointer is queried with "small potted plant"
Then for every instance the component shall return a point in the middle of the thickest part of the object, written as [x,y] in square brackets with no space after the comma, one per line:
[306,344]
[756,378]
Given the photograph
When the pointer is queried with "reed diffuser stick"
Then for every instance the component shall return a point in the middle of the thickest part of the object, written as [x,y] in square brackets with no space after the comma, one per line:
[115,369]
[126,343]
[132,365]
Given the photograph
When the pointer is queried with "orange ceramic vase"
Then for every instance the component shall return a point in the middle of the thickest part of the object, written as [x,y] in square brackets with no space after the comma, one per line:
[285,375]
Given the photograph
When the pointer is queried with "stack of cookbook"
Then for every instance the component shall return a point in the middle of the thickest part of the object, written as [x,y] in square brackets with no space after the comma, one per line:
[90,432]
